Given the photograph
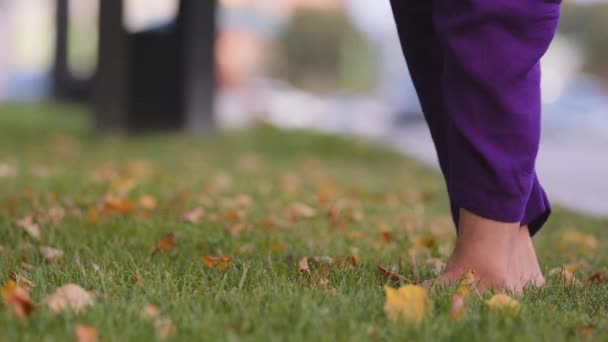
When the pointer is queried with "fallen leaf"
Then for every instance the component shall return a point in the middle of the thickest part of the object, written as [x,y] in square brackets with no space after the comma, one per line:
[20,280]
[85,333]
[237,228]
[409,302]
[565,276]
[17,299]
[387,237]
[148,202]
[96,268]
[299,211]
[467,285]
[578,239]
[137,280]
[457,309]
[303,265]
[118,204]
[352,260]
[438,264]
[164,327]
[587,329]
[149,311]
[194,216]
[69,297]
[597,278]
[392,275]
[28,225]
[165,244]
[50,254]
[504,304]
[7,170]
[221,262]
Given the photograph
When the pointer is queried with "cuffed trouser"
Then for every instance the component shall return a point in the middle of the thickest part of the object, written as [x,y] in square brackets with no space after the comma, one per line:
[475,66]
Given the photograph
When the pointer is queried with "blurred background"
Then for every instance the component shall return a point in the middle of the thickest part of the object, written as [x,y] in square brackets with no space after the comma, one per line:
[330,65]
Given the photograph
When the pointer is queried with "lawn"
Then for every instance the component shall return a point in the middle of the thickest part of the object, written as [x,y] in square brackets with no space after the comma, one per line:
[213,232]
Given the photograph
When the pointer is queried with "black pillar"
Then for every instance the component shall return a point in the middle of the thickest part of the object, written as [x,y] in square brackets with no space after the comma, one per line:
[197,26]
[112,83]
[61,71]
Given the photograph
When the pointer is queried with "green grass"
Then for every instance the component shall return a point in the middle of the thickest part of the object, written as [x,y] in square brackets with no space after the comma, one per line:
[388,203]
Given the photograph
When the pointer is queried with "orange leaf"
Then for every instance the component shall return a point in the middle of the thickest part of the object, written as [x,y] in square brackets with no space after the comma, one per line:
[457,310]
[167,243]
[119,204]
[85,333]
[148,202]
[221,262]
[17,299]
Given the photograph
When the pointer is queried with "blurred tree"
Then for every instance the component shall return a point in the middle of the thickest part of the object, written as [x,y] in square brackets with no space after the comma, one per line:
[588,25]
[64,85]
[323,51]
[162,78]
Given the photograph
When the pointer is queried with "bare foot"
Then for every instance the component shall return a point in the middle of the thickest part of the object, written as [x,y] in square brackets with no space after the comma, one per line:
[530,273]
[487,247]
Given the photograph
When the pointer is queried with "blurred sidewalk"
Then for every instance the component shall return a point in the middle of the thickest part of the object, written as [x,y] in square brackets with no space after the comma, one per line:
[573,168]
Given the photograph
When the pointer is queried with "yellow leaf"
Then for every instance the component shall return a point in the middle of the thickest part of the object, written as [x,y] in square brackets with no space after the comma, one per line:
[409,302]
[578,239]
[467,284]
[503,303]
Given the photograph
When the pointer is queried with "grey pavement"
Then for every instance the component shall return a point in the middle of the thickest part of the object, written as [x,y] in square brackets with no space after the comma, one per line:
[573,168]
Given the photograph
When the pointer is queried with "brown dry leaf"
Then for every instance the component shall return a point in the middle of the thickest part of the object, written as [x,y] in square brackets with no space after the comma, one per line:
[504,304]
[148,202]
[20,280]
[457,309]
[167,243]
[387,237]
[392,275]
[69,297]
[303,265]
[118,204]
[587,329]
[300,211]
[565,276]
[149,311]
[221,262]
[28,225]
[85,333]
[50,254]
[137,280]
[164,327]
[17,299]
[578,239]
[7,170]
[237,228]
[597,278]
[409,303]
[277,246]
[352,260]
[194,216]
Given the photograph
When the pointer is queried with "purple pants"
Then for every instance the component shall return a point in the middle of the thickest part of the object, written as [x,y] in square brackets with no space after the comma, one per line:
[475,66]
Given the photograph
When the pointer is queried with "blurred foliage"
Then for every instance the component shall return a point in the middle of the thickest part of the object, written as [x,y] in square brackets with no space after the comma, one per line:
[323,51]
[588,25]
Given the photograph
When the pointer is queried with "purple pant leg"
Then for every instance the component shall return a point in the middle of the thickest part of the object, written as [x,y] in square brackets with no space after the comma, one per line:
[491,85]
[486,56]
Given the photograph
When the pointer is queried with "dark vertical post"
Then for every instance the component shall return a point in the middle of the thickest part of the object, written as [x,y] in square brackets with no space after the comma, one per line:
[111,95]
[197,21]
[61,71]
